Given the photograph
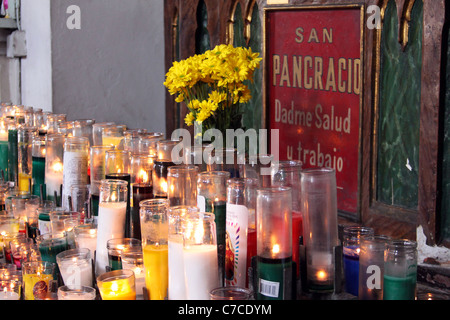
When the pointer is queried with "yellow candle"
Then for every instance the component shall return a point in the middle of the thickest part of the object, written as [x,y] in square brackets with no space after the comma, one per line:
[24,182]
[117,285]
[30,281]
[112,141]
[156,271]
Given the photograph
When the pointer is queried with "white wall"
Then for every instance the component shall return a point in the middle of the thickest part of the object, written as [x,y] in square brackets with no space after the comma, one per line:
[36,68]
[112,68]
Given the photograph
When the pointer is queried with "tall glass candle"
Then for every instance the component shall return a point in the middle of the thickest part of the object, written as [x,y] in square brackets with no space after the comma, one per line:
[351,248]
[182,185]
[319,209]
[75,171]
[118,167]
[200,255]
[38,151]
[237,227]
[37,276]
[160,172]
[53,121]
[75,266]
[97,132]
[177,285]
[50,245]
[274,272]
[142,189]
[400,270]
[54,158]
[212,197]
[155,233]
[371,267]
[113,135]
[25,136]
[86,237]
[287,173]
[98,167]
[13,157]
[83,128]
[117,285]
[4,124]
[111,218]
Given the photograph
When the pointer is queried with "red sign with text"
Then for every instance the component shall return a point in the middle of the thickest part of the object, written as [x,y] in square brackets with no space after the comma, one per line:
[313,87]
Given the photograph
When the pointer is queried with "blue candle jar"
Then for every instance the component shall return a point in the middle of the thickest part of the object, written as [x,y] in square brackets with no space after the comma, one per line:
[351,247]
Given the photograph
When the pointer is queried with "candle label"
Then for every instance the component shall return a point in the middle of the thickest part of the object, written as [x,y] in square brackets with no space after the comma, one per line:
[236,245]
[75,171]
[269,288]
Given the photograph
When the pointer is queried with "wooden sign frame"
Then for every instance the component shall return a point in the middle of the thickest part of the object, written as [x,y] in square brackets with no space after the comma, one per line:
[311,106]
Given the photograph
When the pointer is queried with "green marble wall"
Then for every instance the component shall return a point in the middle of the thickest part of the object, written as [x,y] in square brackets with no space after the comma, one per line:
[398,127]
[445,207]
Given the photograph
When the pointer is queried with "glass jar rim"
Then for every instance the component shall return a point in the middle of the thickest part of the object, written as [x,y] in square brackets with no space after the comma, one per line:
[274,190]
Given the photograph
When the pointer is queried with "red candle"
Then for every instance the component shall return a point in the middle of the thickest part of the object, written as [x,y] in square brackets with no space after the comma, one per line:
[297,232]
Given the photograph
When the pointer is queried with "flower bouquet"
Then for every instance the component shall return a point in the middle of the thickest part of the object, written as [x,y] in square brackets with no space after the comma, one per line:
[213,86]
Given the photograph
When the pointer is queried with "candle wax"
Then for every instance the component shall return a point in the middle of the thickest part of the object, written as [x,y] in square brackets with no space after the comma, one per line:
[156,271]
[351,268]
[24,182]
[177,289]
[118,289]
[396,288]
[78,272]
[200,270]
[297,232]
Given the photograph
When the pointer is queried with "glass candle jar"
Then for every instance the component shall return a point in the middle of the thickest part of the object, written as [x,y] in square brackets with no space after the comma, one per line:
[50,245]
[86,236]
[225,159]
[351,247]
[182,185]
[84,128]
[200,255]
[13,157]
[231,293]
[10,290]
[155,234]
[37,276]
[133,259]
[53,121]
[111,218]
[117,285]
[97,132]
[371,267]
[148,143]
[160,173]
[75,168]
[74,292]
[235,241]
[38,151]
[400,270]
[75,266]
[287,173]
[113,135]
[4,124]
[54,158]
[274,272]
[164,149]
[116,247]
[319,209]
[212,197]
[177,288]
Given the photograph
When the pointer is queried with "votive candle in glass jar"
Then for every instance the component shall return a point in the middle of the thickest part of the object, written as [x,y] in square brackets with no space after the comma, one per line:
[83,128]
[371,267]
[53,122]
[117,285]
[133,259]
[182,185]
[111,218]
[351,248]
[319,209]
[50,245]
[274,270]
[116,247]
[164,149]
[10,290]
[155,234]
[75,266]
[177,286]
[237,224]
[287,173]
[97,132]
[160,173]
[212,197]
[113,135]
[75,171]
[25,136]
[86,236]
[400,270]
[200,255]
[37,276]
[38,151]
[54,166]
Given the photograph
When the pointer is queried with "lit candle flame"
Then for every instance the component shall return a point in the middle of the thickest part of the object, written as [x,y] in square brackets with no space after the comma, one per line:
[276,249]
[164,186]
[321,275]
[143,175]
[57,166]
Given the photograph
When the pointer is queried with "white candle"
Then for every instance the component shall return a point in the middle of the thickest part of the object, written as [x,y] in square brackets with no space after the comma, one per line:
[177,289]
[200,270]
[75,172]
[9,295]
[87,240]
[53,182]
[111,225]
[76,272]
